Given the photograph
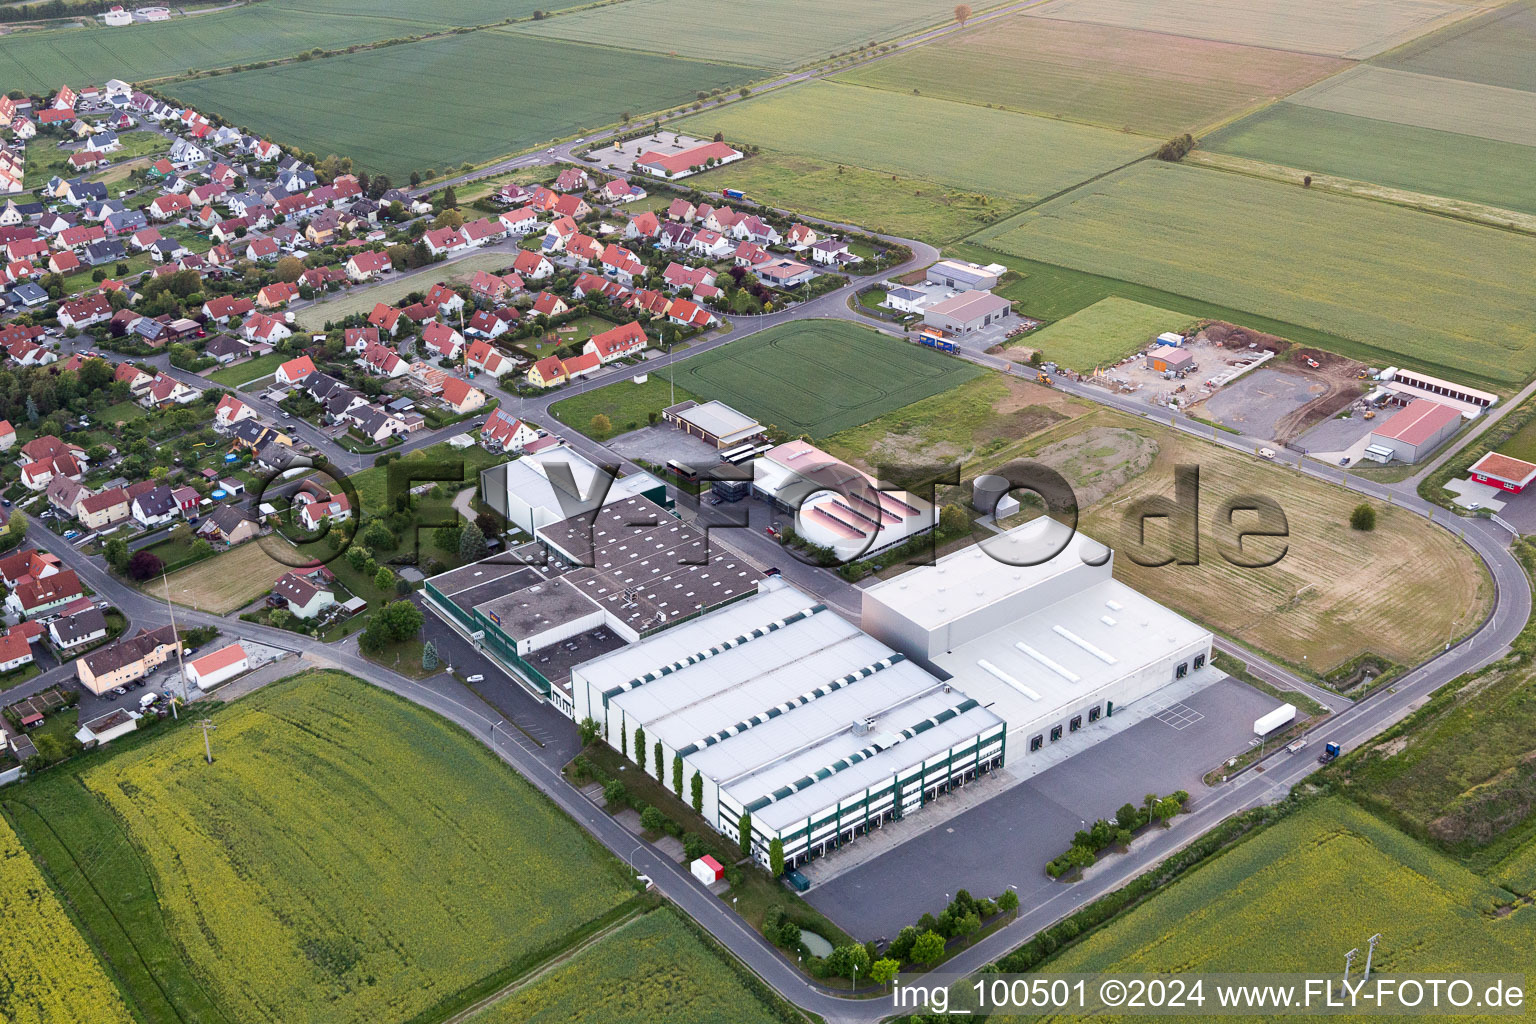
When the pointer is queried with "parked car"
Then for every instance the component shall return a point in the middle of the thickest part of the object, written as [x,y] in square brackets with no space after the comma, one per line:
[119,691]
[476,678]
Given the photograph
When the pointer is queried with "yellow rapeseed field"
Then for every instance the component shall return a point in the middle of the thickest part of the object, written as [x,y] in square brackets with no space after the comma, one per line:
[348,856]
[48,974]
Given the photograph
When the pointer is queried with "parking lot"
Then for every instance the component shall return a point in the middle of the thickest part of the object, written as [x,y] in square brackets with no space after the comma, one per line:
[1007,840]
[621,157]
[1255,404]
[660,444]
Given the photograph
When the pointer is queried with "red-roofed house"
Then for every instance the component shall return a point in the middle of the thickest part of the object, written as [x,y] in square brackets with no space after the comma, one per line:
[382,360]
[461,396]
[483,356]
[621,264]
[642,225]
[277,294]
[168,207]
[231,410]
[364,266]
[506,432]
[549,304]
[295,370]
[445,240]
[220,666]
[532,266]
[493,287]
[442,340]
[83,313]
[385,318]
[625,340]
[1414,431]
[261,327]
[519,222]
[1504,472]
[224,307]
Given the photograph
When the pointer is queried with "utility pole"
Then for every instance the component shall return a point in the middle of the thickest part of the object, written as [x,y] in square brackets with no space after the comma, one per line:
[181,667]
[207,746]
[1369,953]
[1349,961]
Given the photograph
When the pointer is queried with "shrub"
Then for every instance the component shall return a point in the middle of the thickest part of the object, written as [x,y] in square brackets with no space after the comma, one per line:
[651,819]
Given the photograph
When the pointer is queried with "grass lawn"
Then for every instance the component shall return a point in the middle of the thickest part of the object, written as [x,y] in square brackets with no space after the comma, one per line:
[84,279]
[1149,82]
[46,160]
[395,288]
[1439,162]
[893,204]
[372,484]
[252,369]
[1405,286]
[17,676]
[575,332]
[1522,445]
[120,412]
[404,872]
[1104,333]
[626,404]
[390,125]
[893,134]
[229,581]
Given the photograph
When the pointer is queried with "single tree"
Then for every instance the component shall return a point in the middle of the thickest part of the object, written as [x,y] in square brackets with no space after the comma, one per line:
[962,13]
[1363,517]
[677,775]
[659,758]
[882,971]
[144,565]
[429,657]
[471,543]
[744,833]
[116,550]
[776,857]
[651,819]
[384,579]
[928,949]
[640,747]
[1008,902]
[967,925]
[587,730]
[600,425]
[289,269]
[696,791]
[450,198]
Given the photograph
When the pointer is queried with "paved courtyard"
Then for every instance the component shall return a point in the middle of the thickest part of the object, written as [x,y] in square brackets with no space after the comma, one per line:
[621,157]
[662,443]
[1007,840]
[1255,404]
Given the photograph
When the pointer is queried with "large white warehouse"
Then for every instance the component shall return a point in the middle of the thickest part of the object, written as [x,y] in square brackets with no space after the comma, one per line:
[788,713]
[1052,647]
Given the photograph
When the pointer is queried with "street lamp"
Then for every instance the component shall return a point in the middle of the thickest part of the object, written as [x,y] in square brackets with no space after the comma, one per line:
[630,857]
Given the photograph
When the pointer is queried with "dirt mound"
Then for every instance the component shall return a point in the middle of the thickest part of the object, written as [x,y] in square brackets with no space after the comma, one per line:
[1219,332]
[1100,461]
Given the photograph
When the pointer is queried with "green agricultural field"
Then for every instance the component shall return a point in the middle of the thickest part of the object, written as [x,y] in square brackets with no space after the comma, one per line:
[683,980]
[1440,163]
[1424,101]
[782,34]
[1406,286]
[817,377]
[1300,893]
[1120,78]
[1308,26]
[908,207]
[1463,781]
[1496,48]
[390,124]
[431,13]
[997,152]
[348,857]
[41,61]
[1104,333]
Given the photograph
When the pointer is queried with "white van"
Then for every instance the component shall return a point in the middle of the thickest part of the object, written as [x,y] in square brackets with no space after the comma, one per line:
[148,700]
[1266,453]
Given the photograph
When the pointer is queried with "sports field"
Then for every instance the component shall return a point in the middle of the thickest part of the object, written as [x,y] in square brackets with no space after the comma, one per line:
[1497,48]
[773,34]
[1425,101]
[997,152]
[389,123]
[1336,593]
[817,377]
[889,204]
[1104,333]
[683,980]
[1354,30]
[1303,891]
[1119,78]
[347,857]
[1440,163]
[228,582]
[40,61]
[1424,289]
[48,975]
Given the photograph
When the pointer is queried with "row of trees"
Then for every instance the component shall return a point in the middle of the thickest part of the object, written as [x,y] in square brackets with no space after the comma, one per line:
[1089,842]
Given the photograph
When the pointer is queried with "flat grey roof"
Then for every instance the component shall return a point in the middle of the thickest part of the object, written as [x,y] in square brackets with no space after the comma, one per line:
[536,608]
[477,574]
[716,418]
